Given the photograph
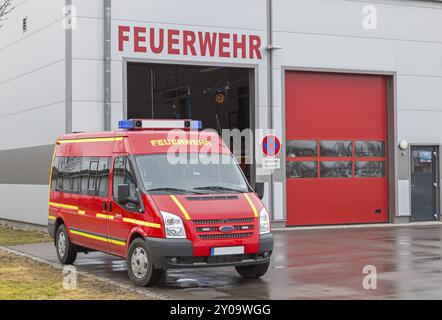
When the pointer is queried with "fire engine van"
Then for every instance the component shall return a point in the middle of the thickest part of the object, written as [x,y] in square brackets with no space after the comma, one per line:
[127,193]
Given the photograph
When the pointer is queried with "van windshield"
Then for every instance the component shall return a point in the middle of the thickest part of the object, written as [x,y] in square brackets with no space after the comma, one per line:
[191,173]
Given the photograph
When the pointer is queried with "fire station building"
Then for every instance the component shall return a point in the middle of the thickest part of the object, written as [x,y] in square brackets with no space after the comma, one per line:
[351,88]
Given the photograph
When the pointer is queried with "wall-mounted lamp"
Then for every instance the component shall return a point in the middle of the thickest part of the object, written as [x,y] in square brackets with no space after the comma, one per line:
[403,145]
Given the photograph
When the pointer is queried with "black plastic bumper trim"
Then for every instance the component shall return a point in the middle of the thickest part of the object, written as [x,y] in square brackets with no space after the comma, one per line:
[163,250]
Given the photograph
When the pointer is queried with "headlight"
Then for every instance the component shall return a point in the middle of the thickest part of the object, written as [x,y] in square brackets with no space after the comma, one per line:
[173,225]
[264,222]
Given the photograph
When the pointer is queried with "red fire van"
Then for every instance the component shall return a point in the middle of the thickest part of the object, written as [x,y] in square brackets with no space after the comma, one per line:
[160,194]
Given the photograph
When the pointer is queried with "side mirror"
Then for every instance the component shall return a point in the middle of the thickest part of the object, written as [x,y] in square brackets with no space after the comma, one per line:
[123,193]
[259,189]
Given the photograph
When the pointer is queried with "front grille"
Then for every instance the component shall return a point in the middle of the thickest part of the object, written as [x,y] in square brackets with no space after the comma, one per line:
[209,229]
[228,259]
[214,221]
[226,236]
[214,229]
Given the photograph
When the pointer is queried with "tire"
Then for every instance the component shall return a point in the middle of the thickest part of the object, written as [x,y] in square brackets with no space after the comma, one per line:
[140,267]
[66,250]
[253,271]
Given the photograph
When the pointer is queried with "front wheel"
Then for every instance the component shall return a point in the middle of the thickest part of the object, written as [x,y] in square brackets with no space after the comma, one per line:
[140,266]
[253,271]
[66,250]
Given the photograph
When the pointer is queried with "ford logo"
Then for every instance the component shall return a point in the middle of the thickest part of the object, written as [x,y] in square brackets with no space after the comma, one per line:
[227,229]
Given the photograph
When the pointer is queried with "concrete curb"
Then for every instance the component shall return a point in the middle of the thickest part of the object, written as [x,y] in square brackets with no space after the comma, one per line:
[359,226]
[23,225]
[117,284]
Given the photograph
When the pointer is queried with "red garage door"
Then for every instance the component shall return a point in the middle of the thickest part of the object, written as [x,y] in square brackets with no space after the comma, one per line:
[336,143]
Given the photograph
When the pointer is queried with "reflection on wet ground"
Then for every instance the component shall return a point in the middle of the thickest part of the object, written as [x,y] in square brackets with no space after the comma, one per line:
[314,264]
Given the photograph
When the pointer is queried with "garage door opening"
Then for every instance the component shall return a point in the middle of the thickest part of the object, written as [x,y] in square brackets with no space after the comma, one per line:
[218,96]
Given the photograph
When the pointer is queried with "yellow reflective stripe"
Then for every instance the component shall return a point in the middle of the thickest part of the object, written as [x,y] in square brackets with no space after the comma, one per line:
[112,139]
[92,236]
[81,212]
[105,216]
[255,212]
[142,223]
[51,218]
[64,206]
[120,243]
[179,205]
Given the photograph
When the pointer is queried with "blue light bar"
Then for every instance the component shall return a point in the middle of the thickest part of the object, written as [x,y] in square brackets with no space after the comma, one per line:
[160,124]
[197,125]
[126,124]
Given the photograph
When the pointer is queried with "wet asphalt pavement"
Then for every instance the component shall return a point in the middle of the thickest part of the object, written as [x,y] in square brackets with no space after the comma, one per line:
[314,264]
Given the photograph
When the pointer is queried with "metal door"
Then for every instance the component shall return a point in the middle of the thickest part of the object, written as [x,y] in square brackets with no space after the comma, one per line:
[424,183]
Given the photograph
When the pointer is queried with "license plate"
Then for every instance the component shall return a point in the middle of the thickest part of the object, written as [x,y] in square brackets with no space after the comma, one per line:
[222,251]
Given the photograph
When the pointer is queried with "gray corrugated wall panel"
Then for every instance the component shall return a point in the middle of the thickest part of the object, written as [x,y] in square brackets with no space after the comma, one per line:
[26,166]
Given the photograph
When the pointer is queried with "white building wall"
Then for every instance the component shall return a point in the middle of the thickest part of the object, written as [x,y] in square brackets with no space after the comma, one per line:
[196,15]
[87,67]
[32,96]
[312,33]
[32,73]
[330,34]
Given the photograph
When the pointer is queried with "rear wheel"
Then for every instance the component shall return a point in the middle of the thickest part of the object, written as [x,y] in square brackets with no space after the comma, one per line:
[253,271]
[140,266]
[66,250]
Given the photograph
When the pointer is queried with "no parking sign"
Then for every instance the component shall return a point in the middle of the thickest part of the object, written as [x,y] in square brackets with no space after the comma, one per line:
[271,146]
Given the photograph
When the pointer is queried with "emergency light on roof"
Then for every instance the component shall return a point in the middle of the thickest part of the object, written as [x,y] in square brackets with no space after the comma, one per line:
[134,124]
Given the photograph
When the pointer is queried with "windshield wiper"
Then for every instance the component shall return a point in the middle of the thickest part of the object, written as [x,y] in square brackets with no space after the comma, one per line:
[219,188]
[173,190]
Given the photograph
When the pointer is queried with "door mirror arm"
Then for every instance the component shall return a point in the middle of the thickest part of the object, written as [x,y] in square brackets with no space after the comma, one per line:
[123,193]
[259,189]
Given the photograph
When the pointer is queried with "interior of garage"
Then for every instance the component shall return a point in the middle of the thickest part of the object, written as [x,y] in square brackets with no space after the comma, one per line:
[218,96]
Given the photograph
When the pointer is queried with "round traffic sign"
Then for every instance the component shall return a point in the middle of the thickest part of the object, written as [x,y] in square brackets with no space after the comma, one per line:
[271,146]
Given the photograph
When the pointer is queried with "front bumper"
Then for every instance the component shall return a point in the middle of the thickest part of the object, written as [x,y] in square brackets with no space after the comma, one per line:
[178,253]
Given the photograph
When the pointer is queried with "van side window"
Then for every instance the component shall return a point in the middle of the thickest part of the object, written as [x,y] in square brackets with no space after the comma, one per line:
[84,174]
[55,173]
[65,174]
[74,174]
[92,177]
[123,174]
[103,176]
[65,183]
[95,176]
